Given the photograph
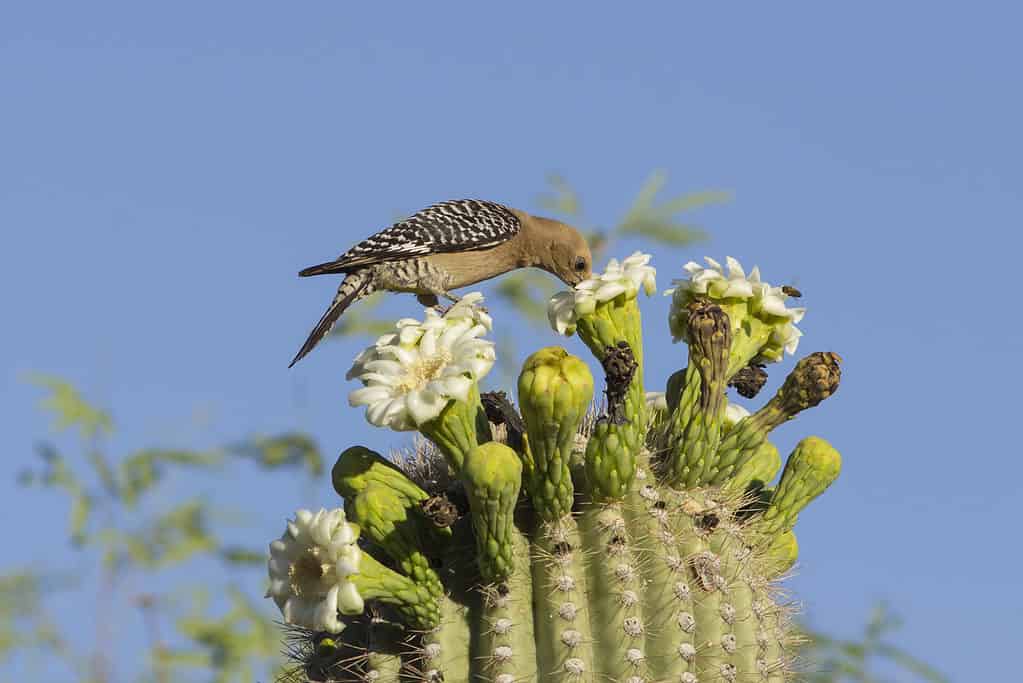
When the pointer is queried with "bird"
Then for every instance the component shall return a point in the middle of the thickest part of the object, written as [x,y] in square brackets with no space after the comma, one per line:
[446,246]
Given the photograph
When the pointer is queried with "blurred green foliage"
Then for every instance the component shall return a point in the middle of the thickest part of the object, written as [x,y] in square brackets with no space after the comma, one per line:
[127,527]
[833,660]
[130,530]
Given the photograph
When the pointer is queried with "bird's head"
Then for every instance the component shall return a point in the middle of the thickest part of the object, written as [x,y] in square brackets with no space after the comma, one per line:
[558,248]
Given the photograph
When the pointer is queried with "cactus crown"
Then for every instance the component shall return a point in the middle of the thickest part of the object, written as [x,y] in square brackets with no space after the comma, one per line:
[641,541]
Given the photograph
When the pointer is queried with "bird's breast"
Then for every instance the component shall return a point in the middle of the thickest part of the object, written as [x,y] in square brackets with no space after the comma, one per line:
[469,267]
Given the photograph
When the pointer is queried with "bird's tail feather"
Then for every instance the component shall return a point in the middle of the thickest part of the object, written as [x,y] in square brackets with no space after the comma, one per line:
[353,288]
[328,268]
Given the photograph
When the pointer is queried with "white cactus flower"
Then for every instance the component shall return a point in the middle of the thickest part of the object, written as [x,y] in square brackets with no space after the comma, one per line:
[656,401]
[411,375]
[310,568]
[734,412]
[735,289]
[627,278]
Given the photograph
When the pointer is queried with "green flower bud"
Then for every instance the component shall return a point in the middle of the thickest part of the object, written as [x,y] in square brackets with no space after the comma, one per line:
[358,467]
[555,390]
[401,530]
[374,581]
[811,469]
[758,470]
[492,475]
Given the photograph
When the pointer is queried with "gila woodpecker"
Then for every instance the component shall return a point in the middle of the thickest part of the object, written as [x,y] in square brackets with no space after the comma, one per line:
[446,246]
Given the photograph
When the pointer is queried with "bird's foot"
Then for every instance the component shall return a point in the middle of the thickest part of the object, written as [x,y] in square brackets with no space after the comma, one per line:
[428,300]
[433,301]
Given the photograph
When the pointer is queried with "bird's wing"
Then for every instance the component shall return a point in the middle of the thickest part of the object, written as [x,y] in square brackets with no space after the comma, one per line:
[457,225]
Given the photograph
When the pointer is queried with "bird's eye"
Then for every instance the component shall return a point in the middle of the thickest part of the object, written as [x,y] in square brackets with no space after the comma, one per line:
[580,264]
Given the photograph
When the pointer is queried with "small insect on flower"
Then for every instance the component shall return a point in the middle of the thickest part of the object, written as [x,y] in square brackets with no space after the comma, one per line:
[791,291]
[746,299]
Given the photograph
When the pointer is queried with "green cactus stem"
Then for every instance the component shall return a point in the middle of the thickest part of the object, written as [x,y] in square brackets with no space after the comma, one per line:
[783,552]
[614,585]
[696,439]
[413,601]
[676,388]
[571,547]
[454,430]
[358,467]
[383,651]
[814,379]
[564,644]
[616,438]
[759,469]
[504,649]
[387,506]
[750,336]
[371,649]
[555,389]
[810,470]
[612,323]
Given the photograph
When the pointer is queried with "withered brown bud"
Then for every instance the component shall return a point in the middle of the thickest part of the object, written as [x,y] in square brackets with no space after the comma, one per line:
[620,366]
[500,411]
[749,380]
[814,378]
[439,510]
[710,340]
[710,333]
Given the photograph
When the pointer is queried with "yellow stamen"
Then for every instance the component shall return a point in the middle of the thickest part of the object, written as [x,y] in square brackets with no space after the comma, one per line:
[422,372]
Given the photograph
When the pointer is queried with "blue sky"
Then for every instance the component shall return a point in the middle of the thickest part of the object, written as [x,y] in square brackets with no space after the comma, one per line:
[165,171]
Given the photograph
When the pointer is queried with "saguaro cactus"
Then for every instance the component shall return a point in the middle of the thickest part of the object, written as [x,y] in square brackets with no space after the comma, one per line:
[636,538]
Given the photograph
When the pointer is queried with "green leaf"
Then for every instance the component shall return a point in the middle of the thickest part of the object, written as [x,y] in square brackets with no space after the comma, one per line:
[673,234]
[694,200]
[658,221]
[243,556]
[105,474]
[143,469]
[81,506]
[291,449]
[70,409]
[528,292]
[56,474]
[911,664]
[561,199]
[172,538]
[229,645]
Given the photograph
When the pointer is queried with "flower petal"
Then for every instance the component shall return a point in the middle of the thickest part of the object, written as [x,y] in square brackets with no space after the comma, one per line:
[325,614]
[424,405]
[349,601]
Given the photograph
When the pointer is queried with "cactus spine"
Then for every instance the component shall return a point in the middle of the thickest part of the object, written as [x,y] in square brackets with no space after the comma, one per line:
[624,543]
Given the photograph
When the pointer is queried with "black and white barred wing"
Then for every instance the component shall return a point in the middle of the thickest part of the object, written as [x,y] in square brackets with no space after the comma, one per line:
[458,225]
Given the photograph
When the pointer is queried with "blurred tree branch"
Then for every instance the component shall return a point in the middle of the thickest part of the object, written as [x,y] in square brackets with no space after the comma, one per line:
[118,516]
[832,660]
